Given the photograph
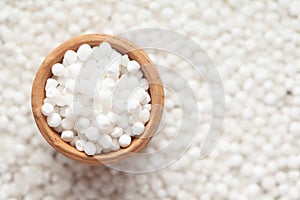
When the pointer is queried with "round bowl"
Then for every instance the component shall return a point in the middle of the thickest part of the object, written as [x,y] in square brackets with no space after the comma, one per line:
[134,53]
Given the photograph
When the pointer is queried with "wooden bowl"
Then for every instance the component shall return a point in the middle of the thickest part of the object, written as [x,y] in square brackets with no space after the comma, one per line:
[124,47]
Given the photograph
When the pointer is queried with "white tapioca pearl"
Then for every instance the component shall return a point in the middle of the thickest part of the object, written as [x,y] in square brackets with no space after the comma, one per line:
[47,109]
[92,133]
[67,135]
[105,141]
[138,128]
[144,84]
[82,123]
[67,123]
[134,118]
[70,57]
[108,83]
[51,83]
[117,132]
[54,120]
[123,121]
[146,100]
[144,115]
[79,144]
[133,106]
[132,83]
[113,117]
[133,66]
[70,85]
[124,140]
[90,148]
[84,52]
[128,131]
[147,107]
[105,49]
[113,70]
[103,121]
[140,95]
[138,74]
[124,60]
[115,145]
[58,69]
[52,92]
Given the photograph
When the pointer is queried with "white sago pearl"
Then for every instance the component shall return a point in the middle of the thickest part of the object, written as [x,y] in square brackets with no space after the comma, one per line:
[124,140]
[113,71]
[134,117]
[144,115]
[108,83]
[58,69]
[67,135]
[132,82]
[133,66]
[117,132]
[67,123]
[92,133]
[70,57]
[124,61]
[138,74]
[105,49]
[51,83]
[58,129]
[140,95]
[103,121]
[293,162]
[115,145]
[147,107]
[113,117]
[144,84]
[79,144]
[82,123]
[52,92]
[209,15]
[54,120]
[90,148]
[294,193]
[47,109]
[84,52]
[147,99]
[138,128]
[105,141]
[133,106]
[123,122]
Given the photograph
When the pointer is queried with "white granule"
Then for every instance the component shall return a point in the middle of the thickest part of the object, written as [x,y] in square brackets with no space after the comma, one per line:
[256,48]
[122,79]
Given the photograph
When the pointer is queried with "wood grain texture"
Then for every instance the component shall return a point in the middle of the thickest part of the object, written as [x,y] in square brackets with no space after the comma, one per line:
[123,46]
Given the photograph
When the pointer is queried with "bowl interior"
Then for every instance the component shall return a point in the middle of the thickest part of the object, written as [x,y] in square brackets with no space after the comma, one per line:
[123,46]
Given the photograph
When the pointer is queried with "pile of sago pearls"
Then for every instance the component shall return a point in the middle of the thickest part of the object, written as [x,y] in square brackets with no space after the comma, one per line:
[256,47]
[97,99]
